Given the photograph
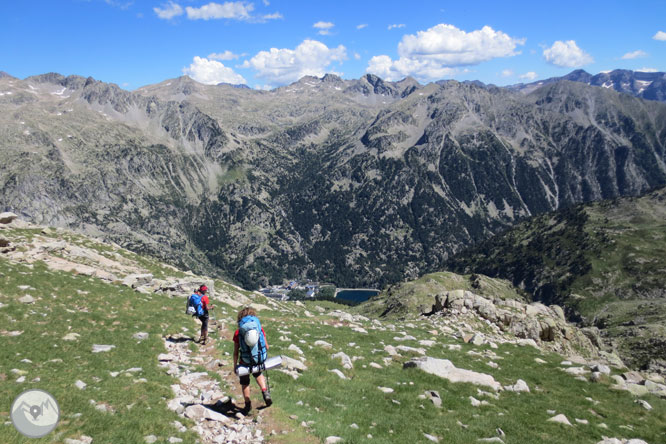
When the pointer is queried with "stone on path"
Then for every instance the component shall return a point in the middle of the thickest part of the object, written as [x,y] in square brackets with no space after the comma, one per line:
[445,369]
[97,348]
[560,419]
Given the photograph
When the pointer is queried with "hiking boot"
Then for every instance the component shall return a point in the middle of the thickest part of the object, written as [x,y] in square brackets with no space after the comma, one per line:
[248,407]
[267,398]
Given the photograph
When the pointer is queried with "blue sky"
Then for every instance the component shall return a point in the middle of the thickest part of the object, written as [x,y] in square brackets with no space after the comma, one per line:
[268,43]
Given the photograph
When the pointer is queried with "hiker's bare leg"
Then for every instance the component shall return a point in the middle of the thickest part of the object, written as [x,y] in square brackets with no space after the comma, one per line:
[246,393]
[262,382]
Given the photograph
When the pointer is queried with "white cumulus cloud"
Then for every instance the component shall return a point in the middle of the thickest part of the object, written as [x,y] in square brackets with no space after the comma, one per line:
[454,47]
[531,75]
[324,27]
[392,70]
[660,35]
[566,54]
[226,55]
[507,73]
[634,55]
[226,10]
[211,72]
[283,66]
[434,53]
[168,11]
[361,26]
[399,25]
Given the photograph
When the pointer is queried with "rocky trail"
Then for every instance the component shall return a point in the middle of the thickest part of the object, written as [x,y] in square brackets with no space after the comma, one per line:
[200,397]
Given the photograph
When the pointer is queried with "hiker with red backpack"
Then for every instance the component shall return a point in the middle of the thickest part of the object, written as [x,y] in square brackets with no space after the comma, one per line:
[250,351]
[198,305]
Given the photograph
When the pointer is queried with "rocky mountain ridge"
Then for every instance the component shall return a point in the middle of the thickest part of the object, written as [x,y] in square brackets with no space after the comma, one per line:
[643,84]
[359,182]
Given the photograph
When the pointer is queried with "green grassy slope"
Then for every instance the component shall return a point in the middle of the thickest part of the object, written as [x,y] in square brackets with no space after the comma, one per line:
[604,262]
[316,405]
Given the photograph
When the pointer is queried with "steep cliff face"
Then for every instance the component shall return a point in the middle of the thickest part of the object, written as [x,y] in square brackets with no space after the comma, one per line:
[360,182]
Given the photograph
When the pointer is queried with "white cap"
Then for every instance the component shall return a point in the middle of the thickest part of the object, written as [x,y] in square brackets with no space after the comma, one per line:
[251,338]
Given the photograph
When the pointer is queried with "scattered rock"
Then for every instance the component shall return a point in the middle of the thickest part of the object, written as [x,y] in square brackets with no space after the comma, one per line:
[434,397]
[81,440]
[96,348]
[339,373]
[27,299]
[7,218]
[80,385]
[445,369]
[519,386]
[386,389]
[295,348]
[431,437]
[333,439]
[345,360]
[323,344]
[140,336]
[150,439]
[560,419]
[71,337]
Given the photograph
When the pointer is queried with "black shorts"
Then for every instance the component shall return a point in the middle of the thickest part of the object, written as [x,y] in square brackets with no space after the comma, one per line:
[204,321]
[245,379]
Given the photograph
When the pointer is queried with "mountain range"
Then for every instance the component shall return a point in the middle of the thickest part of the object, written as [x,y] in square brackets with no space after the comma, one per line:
[360,182]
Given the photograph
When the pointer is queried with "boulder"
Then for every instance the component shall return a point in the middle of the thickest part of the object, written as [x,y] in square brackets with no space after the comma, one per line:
[293,364]
[561,419]
[344,359]
[445,369]
[27,299]
[137,280]
[7,218]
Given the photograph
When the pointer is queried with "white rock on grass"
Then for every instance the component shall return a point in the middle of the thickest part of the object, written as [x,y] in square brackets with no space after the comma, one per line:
[333,439]
[519,386]
[576,371]
[150,439]
[71,337]
[27,299]
[97,348]
[539,361]
[339,373]
[295,348]
[323,344]
[375,365]
[445,369]
[81,440]
[643,404]
[560,419]
[140,336]
[431,437]
[386,389]
[80,385]
[344,359]
[493,439]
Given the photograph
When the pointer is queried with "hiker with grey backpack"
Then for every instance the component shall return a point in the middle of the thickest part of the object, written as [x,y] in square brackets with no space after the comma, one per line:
[250,352]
